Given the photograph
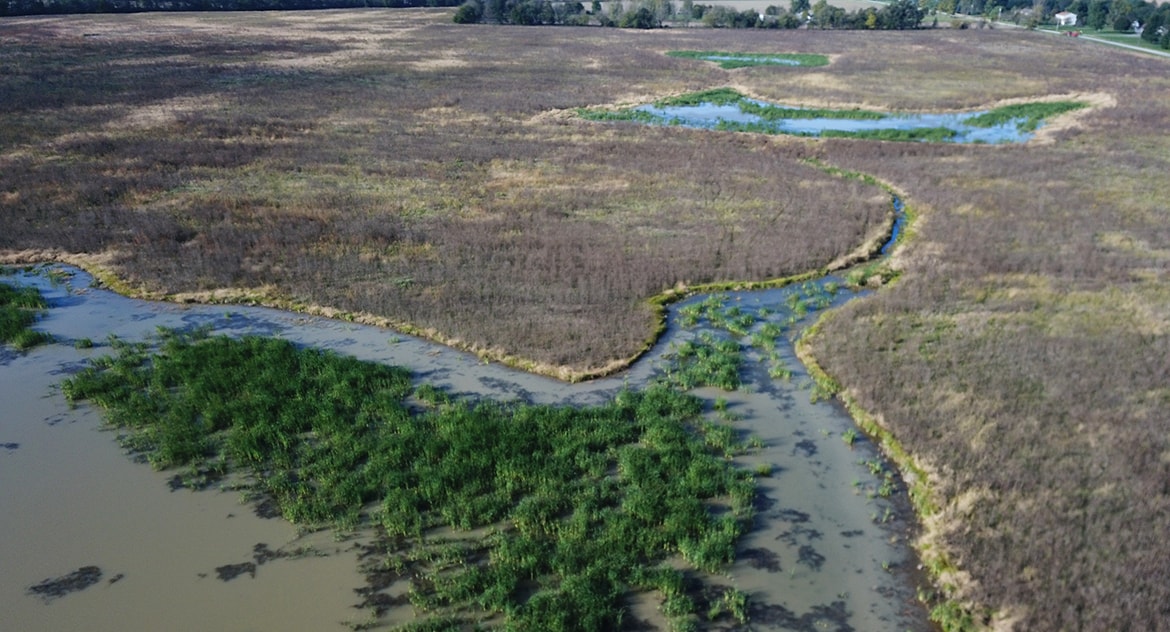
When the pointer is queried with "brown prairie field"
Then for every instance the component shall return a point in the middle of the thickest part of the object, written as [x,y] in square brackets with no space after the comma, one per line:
[391,165]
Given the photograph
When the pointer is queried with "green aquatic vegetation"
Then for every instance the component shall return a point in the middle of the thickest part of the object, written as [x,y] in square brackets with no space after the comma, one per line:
[778,371]
[583,505]
[765,338]
[714,96]
[849,436]
[744,60]
[19,309]
[732,603]
[778,113]
[707,360]
[917,134]
[690,315]
[1030,115]
[629,114]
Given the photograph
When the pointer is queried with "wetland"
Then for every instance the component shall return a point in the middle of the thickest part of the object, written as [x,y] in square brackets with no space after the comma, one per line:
[381,166]
[806,510]
[727,110]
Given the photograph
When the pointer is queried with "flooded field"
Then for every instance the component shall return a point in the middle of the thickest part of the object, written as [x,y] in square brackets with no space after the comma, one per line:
[829,548]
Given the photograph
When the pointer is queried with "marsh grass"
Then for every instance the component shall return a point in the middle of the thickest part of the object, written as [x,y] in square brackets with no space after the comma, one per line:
[1031,115]
[582,505]
[918,134]
[19,309]
[391,171]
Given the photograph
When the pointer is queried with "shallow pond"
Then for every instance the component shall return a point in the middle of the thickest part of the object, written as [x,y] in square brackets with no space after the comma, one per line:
[826,553]
[732,116]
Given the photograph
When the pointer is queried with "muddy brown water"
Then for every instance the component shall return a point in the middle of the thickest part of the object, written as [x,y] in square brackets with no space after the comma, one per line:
[825,553]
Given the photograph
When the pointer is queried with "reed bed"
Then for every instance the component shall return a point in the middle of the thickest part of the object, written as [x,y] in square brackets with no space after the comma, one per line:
[582,506]
[19,309]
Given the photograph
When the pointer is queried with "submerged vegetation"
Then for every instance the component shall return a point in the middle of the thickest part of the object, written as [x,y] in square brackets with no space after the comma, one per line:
[726,331]
[19,308]
[582,506]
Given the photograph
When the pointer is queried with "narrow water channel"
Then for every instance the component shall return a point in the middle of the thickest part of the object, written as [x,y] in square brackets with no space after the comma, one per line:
[827,552]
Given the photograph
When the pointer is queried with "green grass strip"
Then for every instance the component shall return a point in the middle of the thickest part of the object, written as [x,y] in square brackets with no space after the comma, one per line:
[715,96]
[1032,114]
[630,114]
[583,505]
[918,134]
[777,113]
[744,60]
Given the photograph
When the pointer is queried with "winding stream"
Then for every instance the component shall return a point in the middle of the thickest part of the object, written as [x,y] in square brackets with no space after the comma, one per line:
[827,551]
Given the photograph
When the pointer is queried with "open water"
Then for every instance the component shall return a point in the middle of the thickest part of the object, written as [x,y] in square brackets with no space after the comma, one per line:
[708,115]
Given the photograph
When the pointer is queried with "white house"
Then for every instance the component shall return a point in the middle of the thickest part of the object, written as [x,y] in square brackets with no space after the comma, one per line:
[1065,18]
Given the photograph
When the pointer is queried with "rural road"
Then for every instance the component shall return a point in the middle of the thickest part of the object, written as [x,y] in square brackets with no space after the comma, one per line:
[1118,44]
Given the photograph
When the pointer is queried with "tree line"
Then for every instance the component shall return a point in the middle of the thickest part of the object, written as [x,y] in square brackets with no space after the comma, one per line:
[58,7]
[1152,18]
[649,14]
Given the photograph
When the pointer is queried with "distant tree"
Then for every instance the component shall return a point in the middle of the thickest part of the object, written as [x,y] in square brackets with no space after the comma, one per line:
[1098,14]
[469,12]
[827,16]
[1157,25]
[640,18]
[566,12]
[498,10]
[615,11]
[1081,9]
[901,14]
[1121,12]
[799,7]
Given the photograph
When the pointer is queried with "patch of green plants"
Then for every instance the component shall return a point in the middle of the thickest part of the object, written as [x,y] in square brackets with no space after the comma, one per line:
[582,505]
[1030,115]
[731,61]
[19,309]
[629,114]
[849,436]
[778,113]
[714,96]
[707,360]
[917,134]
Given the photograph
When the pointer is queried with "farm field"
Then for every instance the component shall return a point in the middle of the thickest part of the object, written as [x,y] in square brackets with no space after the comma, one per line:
[399,169]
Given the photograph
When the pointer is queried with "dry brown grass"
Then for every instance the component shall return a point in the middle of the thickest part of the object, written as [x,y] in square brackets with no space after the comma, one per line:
[383,164]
